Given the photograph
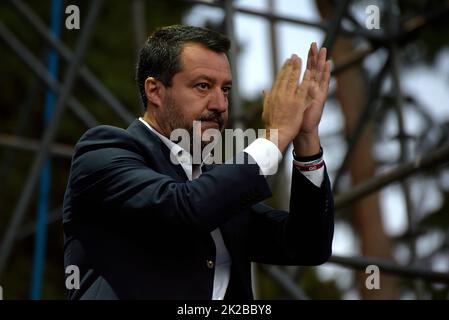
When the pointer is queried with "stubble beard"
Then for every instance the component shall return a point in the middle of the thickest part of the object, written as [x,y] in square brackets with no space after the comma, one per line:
[175,119]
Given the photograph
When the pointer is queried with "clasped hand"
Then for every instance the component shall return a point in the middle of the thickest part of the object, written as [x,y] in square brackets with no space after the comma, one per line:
[295,109]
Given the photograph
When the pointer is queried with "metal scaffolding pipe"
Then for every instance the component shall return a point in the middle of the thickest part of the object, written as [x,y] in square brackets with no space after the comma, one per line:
[29,230]
[421,163]
[85,74]
[353,58]
[22,124]
[40,240]
[236,104]
[391,267]
[266,15]
[334,26]
[138,20]
[393,24]
[49,135]
[364,118]
[286,281]
[324,26]
[40,71]
[26,144]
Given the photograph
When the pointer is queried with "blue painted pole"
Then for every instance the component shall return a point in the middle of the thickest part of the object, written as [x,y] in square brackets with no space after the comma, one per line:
[45,178]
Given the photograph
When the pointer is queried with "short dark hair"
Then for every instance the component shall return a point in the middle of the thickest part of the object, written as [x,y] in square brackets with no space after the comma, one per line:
[159,57]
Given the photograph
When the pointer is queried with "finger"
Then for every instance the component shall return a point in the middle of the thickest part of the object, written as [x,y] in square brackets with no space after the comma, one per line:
[314,52]
[321,59]
[307,75]
[294,74]
[305,82]
[302,89]
[282,76]
[310,58]
[266,101]
[324,83]
[314,59]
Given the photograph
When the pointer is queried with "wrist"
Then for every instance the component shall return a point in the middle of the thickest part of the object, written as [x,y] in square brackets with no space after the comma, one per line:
[309,159]
[277,137]
[307,144]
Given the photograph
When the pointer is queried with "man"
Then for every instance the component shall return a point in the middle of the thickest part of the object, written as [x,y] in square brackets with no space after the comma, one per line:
[139,226]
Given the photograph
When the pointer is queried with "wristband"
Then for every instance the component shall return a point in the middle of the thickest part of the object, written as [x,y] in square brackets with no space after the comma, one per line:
[308,158]
[310,167]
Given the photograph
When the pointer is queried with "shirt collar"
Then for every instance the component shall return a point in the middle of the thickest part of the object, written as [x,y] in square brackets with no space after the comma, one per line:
[174,148]
[179,152]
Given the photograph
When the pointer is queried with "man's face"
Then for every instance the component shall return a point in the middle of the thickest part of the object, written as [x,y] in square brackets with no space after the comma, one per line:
[198,92]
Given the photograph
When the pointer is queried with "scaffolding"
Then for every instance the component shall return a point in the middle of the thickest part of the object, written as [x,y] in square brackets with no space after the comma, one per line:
[399,31]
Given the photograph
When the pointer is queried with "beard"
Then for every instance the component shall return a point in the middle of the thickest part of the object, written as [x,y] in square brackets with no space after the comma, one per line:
[174,118]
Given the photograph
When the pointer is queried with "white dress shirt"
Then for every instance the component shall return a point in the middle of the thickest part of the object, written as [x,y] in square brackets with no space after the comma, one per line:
[267,156]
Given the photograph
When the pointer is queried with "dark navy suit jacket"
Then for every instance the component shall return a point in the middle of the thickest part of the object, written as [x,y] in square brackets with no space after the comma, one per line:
[138,229]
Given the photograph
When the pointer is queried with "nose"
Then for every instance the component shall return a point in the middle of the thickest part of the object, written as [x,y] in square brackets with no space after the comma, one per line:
[218,101]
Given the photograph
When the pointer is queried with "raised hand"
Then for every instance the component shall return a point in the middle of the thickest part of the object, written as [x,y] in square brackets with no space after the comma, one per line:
[285,104]
[318,76]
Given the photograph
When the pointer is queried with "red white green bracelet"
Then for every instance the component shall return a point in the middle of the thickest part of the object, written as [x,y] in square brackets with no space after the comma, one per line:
[310,166]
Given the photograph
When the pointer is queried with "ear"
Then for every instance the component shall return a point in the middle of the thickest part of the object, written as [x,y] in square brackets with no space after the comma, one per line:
[153,91]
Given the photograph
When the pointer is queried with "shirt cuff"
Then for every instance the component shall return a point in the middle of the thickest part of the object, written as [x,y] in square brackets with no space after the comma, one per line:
[315,176]
[266,154]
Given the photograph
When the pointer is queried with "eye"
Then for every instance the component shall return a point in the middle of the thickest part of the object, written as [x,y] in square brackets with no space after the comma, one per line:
[203,86]
[226,90]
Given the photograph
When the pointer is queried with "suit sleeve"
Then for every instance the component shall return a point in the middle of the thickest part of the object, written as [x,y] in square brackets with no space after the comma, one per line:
[302,236]
[109,171]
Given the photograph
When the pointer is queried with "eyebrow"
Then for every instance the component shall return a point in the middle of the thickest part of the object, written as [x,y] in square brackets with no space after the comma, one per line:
[209,79]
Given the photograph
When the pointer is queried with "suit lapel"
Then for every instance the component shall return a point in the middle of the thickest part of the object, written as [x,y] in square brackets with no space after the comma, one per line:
[156,152]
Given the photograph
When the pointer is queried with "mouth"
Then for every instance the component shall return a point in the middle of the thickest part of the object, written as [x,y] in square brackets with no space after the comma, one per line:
[210,124]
